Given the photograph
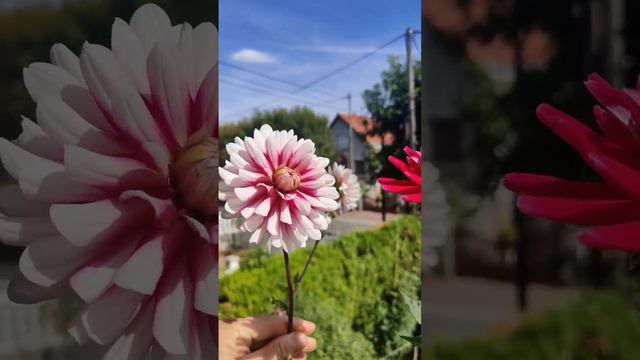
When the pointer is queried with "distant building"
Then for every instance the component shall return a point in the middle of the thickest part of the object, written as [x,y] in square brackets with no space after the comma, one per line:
[362,126]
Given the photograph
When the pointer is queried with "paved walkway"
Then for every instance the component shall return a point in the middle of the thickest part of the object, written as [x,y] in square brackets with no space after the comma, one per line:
[458,308]
[358,220]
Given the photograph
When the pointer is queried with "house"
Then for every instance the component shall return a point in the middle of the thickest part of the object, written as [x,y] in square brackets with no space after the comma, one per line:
[362,126]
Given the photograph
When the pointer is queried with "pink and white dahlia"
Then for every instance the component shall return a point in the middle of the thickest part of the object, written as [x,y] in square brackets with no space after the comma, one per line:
[116,194]
[410,189]
[347,185]
[279,187]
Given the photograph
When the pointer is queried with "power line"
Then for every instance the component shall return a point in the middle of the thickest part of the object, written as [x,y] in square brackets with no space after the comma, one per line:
[260,88]
[265,76]
[351,63]
[321,104]
[329,74]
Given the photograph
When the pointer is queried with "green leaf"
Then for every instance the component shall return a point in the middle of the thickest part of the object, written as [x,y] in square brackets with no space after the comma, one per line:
[414,340]
[415,307]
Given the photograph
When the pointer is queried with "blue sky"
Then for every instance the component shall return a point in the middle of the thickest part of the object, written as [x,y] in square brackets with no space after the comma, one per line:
[300,41]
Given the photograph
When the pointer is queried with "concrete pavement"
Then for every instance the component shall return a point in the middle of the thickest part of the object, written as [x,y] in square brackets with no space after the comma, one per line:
[457,308]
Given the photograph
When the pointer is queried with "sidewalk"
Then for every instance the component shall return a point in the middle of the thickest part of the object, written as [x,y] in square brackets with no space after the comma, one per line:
[458,308]
[358,220]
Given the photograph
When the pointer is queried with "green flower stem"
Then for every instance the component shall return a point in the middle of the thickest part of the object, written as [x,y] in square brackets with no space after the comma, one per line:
[290,293]
[298,278]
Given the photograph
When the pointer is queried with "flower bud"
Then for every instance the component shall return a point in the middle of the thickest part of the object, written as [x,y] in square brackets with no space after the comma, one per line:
[194,176]
[286,179]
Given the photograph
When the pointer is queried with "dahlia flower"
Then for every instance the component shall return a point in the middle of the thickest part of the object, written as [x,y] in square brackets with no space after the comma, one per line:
[279,188]
[347,185]
[411,188]
[116,193]
[609,208]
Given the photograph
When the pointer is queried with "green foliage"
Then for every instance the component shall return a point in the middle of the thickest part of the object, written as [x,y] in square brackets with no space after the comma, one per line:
[304,122]
[336,338]
[387,101]
[351,290]
[592,327]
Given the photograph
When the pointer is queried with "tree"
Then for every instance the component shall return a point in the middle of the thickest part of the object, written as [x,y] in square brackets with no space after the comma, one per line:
[302,120]
[387,101]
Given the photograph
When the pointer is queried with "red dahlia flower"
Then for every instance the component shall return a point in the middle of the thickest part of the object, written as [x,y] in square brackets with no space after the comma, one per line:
[410,188]
[611,208]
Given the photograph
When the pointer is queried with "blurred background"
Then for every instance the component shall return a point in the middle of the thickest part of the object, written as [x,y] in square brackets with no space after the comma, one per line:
[510,286]
[28,29]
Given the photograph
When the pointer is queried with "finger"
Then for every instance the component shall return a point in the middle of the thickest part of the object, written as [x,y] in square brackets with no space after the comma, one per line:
[266,327]
[281,348]
[310,346]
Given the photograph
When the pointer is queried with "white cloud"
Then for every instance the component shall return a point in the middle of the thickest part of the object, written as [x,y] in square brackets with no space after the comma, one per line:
[252,56]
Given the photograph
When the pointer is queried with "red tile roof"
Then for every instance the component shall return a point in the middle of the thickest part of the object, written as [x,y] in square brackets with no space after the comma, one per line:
[362,125]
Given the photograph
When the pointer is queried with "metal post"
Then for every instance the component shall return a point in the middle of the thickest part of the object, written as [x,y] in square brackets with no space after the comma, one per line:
[411,123]
[352,162]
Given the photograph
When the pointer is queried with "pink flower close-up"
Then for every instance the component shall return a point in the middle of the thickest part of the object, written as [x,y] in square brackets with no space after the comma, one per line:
[411,188]
[281,190]
[347,185]
[116,195]
[610,208]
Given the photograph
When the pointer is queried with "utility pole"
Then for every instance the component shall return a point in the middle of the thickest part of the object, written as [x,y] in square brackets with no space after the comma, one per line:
[352,163]
[411,121]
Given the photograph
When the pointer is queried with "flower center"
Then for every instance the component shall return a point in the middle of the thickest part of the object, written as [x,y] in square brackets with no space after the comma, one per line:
[194,178]
[286,179]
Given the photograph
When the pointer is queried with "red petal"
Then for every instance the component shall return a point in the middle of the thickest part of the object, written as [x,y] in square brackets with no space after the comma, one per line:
[616,237]
[398,163]
[413,198]
[550,186]
[612,128]
[580,212]
[401,189]
[413,153]
[621,176]
[618,102]
[391,181]
[415,178]
[575,133]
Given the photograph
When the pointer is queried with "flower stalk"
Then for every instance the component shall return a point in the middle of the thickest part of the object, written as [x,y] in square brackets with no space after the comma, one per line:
[290,292]
[298,278]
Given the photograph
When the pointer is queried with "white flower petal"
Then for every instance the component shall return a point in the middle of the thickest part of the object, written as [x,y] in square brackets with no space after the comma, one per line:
[43,79]
[102,323]
[135,341]
[96,277]
[151,23]
[93,222]
[36,141]
[169,88]
[128,49]
[41,178]
[173,315]
[61,56]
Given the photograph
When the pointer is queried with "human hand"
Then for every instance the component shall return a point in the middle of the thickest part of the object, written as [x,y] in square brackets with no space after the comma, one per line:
[265,338]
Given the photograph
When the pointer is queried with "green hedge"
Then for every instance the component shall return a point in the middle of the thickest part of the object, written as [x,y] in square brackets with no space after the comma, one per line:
[595,326]
[351,290]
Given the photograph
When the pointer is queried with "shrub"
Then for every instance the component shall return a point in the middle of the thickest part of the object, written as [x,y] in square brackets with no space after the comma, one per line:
[350,291]
[593,327]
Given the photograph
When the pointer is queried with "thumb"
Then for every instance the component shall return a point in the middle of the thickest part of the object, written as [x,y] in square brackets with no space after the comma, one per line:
[282,348]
